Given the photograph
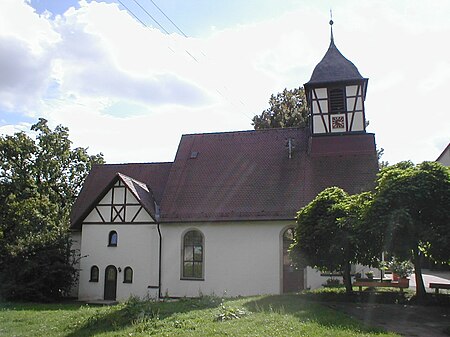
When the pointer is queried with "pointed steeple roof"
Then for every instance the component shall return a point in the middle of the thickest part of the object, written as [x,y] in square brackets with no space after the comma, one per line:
[334,67]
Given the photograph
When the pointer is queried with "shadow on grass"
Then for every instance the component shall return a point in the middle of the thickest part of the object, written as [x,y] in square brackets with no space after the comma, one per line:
[305,310]
[135,312]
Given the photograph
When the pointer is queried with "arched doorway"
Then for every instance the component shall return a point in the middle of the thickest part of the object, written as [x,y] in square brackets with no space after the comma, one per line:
[110,283]
[293,278]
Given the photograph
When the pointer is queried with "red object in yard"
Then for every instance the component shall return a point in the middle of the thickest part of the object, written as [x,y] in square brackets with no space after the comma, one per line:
[403,282]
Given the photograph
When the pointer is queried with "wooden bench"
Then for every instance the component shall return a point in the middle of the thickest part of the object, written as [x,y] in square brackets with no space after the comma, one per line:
[380,284]
[437,286]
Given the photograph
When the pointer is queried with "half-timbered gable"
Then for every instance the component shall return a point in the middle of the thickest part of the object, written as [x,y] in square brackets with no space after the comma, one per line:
[124,202]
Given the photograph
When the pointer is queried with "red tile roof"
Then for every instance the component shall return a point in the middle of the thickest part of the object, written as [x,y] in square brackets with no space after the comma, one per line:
[246,175]
[141,192]
[99,180]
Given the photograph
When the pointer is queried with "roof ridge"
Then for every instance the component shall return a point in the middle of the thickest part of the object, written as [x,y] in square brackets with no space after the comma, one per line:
[140,183]
[245,131]
[129,164]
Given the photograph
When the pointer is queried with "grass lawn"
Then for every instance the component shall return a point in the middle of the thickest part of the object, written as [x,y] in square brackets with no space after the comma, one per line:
[289,315]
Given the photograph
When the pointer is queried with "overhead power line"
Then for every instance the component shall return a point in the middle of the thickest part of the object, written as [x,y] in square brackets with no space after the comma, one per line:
[173,23]
[134,15]
[156,21]
[165,31]
[185,35]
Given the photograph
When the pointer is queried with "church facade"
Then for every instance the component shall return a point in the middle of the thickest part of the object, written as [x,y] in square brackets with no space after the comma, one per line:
[219,219]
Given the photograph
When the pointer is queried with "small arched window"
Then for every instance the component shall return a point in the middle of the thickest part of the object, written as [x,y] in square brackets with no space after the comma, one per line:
[112,239]
[128,275]
[192,255]
[94,274]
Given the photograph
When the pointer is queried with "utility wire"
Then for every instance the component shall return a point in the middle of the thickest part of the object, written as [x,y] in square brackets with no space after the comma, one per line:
[134,15]
[191,55]
[156,21]
[173,23]
[130,11]
[165,31]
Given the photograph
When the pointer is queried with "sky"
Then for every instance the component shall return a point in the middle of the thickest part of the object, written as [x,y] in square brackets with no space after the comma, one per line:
[128,78]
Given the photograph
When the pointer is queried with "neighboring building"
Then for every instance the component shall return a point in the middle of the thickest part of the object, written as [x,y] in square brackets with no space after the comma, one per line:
[219,219]
[444,157]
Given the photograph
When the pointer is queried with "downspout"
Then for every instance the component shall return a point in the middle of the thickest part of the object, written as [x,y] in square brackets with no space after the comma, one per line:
[157,216]
[160,253]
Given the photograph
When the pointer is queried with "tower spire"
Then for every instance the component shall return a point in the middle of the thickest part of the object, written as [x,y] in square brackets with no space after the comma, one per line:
[331,25]
[336,93]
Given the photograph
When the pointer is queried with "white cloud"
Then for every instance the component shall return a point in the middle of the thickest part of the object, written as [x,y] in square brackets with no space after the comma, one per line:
[18,20]
[92,62]
[12,129]
[131,91]
[26,41]
[24,75]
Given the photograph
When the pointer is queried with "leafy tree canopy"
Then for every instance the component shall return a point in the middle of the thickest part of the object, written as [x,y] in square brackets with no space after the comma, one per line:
[287,109]
[411,210]
[39,180]
[328,232]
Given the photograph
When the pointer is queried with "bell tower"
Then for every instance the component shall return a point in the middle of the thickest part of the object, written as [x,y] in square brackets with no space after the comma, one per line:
[335,95]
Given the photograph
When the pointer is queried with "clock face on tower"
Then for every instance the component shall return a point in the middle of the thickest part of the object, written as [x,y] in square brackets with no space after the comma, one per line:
[337,122]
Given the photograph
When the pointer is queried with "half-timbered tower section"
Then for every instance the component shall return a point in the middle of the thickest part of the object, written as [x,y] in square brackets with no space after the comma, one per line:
[336,94]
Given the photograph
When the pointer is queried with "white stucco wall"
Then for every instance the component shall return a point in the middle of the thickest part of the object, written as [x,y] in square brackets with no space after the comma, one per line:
[241,258]
[76,246]
[137,247]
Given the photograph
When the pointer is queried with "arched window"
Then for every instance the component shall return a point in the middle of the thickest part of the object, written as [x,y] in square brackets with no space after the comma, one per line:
[112,239]
[128,275]
[193,255]
[94,274]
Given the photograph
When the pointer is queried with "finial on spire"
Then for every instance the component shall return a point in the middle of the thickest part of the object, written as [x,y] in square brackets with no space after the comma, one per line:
[331,25]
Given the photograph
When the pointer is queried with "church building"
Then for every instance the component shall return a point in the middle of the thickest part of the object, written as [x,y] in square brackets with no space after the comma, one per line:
[219,219]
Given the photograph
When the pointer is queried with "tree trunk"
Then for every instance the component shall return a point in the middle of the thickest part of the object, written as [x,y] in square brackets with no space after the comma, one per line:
[420,287]
[347,278]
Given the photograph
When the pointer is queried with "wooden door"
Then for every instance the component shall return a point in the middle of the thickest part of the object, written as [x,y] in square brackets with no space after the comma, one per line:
[110,283]
[293,278]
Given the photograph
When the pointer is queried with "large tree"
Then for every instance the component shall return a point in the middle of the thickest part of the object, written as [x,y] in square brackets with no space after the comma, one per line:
[329,232]
[39,180]
[411,212]
[287,109]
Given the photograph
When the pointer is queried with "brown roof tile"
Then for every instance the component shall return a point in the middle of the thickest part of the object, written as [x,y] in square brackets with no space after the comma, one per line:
[141,192]
[244,175]
[248,175]
[154,175]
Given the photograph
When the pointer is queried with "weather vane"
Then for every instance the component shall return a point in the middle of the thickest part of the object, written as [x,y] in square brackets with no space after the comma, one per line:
[331,24]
